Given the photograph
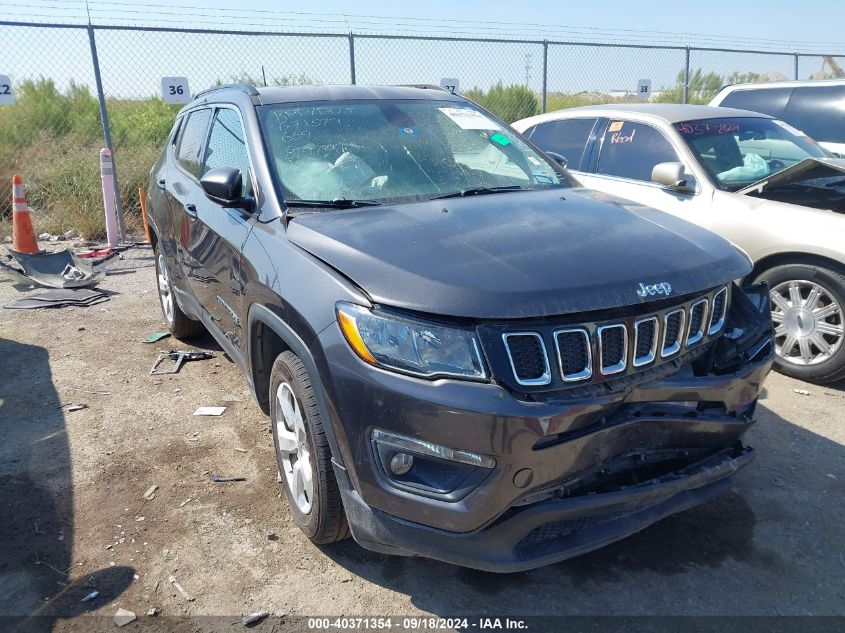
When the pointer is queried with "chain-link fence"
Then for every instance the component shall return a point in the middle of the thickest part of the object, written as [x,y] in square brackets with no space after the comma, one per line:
[53,131]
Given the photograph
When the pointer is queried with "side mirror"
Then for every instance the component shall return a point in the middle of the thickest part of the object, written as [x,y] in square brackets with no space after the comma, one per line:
[558,158]
[670,175]
[223,185]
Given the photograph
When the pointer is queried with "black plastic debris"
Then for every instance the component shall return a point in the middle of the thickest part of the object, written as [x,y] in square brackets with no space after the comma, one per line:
[58,298]
[61,269]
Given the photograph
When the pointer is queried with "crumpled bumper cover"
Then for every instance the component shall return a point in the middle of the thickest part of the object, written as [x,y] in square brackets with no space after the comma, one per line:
[553,530]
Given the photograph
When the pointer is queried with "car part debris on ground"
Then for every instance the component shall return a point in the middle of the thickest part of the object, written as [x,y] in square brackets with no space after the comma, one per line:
[254,618]
[90,596]
[180,589]
[222,480]
[210,411]
[124,617]
[155,337]
[61,269]
[59,298]
[179,358]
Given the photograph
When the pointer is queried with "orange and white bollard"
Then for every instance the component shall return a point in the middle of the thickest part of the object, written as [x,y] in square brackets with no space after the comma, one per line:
[23,236]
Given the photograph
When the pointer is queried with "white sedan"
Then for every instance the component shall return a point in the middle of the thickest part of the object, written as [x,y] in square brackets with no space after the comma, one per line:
[762,184]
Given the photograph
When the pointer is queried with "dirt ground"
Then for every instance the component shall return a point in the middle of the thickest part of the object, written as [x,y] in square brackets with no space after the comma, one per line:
[75,518]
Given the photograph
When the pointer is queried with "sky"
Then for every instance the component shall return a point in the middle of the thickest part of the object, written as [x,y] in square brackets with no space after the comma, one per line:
[133,63]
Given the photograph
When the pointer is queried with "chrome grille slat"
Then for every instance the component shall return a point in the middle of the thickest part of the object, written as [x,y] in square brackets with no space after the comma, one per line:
[640,333]
[672,330]
[545,376]
[574,334]
[717,314]
[697,313]
[606,366]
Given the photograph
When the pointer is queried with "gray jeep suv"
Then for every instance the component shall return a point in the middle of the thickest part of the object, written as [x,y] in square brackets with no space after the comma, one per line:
[463,354]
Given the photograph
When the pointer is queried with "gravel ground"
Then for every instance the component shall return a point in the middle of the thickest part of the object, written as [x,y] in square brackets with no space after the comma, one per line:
[72,486]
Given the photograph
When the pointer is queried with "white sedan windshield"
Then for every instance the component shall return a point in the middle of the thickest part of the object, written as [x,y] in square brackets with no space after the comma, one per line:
[738,151]
[396,150]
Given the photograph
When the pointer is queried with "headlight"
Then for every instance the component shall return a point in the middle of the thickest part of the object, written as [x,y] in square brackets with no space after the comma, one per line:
[411,346]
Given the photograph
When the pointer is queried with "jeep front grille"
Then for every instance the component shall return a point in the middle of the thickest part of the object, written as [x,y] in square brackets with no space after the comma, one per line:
[594,352]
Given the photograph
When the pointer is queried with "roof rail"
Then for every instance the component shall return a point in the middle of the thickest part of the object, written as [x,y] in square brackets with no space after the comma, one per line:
[424,86]
[247,88]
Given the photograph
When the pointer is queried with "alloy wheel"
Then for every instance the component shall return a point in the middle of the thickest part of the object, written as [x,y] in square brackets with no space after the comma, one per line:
[294,454]
[808,322]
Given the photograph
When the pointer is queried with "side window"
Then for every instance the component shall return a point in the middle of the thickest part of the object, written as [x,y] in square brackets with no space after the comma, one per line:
[226,146]
[567,137]
[631,150]
[771,101]
[819,112]
[191,139]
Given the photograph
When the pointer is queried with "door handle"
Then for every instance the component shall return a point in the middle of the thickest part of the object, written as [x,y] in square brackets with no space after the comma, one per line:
[191,210]
[161,183]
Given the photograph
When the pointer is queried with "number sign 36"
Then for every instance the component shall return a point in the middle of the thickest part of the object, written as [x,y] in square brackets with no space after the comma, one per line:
[175,90]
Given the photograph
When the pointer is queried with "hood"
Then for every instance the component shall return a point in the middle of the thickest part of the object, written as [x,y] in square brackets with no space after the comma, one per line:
[516,255]
[807,169]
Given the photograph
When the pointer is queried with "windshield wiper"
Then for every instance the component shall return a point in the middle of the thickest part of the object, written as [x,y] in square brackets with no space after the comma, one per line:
[337,203]
[479,191]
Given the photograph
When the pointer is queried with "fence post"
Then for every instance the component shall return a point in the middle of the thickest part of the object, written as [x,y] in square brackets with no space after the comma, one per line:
[796,66]
[351,58]
[545,72]
[686,75]
[104,117]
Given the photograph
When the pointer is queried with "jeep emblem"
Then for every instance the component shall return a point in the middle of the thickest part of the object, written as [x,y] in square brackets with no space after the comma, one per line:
[662,288]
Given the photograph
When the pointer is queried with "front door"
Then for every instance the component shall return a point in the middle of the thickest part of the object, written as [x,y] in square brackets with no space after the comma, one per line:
[219,251]
[622,161]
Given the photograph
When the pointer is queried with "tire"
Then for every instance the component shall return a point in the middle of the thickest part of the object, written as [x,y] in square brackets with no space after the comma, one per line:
[180,325]
[809,329]
[302,450]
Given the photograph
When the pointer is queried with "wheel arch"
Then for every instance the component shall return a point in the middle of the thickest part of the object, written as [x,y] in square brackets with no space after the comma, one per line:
[796,257]
[269,336]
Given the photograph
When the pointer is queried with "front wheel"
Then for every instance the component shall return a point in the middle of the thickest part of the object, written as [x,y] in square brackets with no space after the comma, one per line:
[808,304]
[303,452]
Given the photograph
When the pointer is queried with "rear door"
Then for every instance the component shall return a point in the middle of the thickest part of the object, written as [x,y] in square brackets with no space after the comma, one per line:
[219,254]
[566,137]
[819,112]
[184,192]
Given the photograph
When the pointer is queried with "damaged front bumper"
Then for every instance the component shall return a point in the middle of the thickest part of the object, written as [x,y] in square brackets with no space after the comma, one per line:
[505,484]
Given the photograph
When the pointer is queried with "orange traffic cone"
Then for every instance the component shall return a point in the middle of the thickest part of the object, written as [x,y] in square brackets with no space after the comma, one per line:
[23,237]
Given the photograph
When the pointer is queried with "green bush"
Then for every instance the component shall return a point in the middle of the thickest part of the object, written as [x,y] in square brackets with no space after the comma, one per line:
[509,103]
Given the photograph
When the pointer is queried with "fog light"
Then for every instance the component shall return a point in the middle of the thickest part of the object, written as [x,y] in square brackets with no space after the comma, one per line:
[401,463]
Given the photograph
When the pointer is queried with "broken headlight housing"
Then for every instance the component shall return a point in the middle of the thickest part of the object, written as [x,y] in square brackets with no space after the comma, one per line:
[409,345]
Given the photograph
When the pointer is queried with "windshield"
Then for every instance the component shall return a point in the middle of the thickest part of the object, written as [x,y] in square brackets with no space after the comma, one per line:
[739,151]
[384,151]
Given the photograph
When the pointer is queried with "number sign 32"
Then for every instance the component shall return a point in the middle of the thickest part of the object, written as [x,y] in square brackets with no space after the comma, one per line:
[175,90]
